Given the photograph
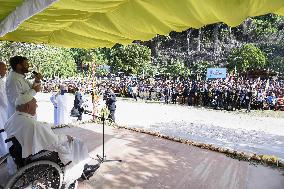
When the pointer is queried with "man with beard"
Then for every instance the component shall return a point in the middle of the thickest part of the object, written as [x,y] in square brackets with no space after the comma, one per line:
[17,83]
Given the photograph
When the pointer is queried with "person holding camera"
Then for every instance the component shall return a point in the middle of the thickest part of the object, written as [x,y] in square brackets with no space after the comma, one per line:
[110,99]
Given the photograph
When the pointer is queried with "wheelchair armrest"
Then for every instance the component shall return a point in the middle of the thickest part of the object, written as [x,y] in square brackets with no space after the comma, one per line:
[2,130]
[43,153]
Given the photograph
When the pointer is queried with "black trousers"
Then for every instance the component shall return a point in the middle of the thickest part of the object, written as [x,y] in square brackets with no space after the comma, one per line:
[111,115]
[81,110]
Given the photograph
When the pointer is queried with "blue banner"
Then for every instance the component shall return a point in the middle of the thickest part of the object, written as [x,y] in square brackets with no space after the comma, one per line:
[216,73]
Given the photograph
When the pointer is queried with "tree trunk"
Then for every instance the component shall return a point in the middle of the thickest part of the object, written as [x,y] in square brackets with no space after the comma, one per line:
[216,40]
[230,34]
[199,39]
[245,25]
[188,41]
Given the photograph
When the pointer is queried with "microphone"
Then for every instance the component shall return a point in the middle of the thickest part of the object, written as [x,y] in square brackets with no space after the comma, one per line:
[36,73]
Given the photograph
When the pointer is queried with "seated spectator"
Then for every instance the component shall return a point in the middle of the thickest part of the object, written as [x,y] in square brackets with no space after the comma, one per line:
[271,100]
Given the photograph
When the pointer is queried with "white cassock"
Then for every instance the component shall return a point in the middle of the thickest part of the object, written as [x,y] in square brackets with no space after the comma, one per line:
[35,136]
[3,117]
[54,101]
[16,84]
[62,108]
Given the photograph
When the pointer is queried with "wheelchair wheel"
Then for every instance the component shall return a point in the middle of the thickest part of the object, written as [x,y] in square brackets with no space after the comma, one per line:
[39,174]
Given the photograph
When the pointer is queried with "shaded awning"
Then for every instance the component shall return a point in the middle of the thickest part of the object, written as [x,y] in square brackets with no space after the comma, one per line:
[103,23]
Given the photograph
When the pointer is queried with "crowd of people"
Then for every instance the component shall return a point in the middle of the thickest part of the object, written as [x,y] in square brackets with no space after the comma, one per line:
[228,94]
[225,94]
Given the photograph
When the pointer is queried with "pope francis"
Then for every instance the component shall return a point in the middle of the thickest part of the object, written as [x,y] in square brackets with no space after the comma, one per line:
[35,136]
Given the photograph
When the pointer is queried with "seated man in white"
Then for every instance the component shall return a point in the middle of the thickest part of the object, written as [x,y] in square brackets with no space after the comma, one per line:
[35,136]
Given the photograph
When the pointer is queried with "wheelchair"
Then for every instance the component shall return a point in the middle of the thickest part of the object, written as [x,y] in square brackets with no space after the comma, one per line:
[42,170]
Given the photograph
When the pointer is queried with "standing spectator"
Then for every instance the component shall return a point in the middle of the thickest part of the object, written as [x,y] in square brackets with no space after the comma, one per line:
[271,100]
[3,109]
[78,103]
[191,95]
[167,94]
[3,119]
[17,84]
[134,92]
[63,118]
[110,102]
[248,100]
[54,100]
[174,94]
[260,100]
[185,93]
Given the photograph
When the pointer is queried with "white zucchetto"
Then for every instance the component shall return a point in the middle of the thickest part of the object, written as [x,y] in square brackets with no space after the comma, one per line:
[23,99]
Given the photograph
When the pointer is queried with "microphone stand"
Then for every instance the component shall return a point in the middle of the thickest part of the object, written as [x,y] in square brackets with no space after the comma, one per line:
[103,158]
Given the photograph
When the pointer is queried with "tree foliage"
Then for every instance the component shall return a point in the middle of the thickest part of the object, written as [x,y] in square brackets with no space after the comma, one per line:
[177,68]
[248,57]
[52,61]
[277,65]
[130,59]
[266,25]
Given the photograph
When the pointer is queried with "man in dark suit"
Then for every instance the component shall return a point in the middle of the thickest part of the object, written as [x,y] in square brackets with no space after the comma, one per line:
[248,99]
[167,93]
[78,103]
[110,102]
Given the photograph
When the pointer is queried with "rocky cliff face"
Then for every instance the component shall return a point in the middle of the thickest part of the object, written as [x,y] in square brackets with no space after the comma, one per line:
[214,43]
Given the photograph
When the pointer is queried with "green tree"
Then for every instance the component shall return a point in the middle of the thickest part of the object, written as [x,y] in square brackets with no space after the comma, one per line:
[266,25]
[130,59]
[200,68]
[177,68]
[277,65]
[83,58]
[51,61]
[248,57]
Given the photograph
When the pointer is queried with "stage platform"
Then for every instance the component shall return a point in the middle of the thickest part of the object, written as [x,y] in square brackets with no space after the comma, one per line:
[150,162]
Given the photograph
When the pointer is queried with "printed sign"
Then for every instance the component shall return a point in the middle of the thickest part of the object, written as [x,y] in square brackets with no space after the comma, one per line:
[215,73]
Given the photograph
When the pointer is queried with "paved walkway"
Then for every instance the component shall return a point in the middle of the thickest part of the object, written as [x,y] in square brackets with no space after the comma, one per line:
[250,133]
[151,162]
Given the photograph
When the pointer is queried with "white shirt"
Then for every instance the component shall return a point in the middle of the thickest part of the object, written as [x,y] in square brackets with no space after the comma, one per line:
[63,112]
[134,90]
[3,104]
[54,100]
[3,117]
[16,84]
